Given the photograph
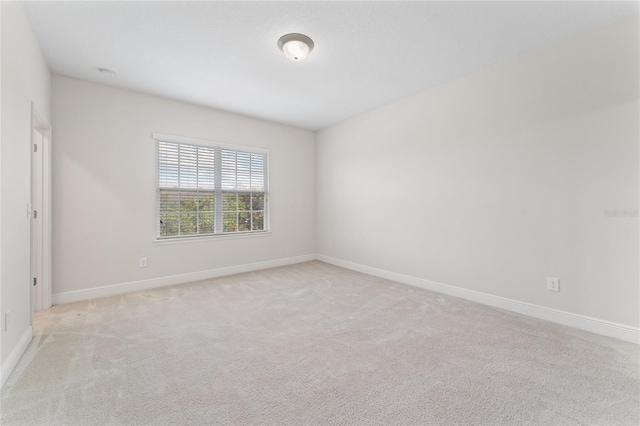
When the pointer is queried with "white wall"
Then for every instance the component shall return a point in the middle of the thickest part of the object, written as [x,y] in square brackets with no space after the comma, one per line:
[104,187]
[24,78]
[497,180]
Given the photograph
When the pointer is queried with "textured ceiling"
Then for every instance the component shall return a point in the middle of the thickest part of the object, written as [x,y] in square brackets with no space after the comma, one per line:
[367,54]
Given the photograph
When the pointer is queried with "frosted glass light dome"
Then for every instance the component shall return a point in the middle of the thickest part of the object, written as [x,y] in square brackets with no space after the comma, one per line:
[295,46]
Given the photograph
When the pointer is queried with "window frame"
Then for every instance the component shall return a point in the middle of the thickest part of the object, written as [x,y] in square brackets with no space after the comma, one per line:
[158,239]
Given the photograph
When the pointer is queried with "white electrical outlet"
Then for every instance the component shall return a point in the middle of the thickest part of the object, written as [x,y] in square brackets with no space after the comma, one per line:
[143,262]
[553,284]
[329,244]
[6,320]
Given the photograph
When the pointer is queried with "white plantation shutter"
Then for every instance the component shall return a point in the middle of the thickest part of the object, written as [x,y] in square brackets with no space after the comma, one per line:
[208,189]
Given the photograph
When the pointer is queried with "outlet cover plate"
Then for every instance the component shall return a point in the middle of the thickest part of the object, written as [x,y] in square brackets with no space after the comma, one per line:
[553,284]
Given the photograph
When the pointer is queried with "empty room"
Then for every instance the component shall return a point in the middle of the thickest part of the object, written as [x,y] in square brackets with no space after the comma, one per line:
[331,212]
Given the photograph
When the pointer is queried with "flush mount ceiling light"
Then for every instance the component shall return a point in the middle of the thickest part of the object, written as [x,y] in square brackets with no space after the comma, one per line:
[295,46]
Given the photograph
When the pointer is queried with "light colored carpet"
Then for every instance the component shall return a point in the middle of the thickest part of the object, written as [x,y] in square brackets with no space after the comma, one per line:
[314,344]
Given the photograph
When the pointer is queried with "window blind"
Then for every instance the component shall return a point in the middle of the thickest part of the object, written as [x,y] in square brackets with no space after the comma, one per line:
[209,190]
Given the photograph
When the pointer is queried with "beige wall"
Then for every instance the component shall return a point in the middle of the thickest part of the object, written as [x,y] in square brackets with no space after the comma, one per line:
[104,187]
[25,79]
[497,180]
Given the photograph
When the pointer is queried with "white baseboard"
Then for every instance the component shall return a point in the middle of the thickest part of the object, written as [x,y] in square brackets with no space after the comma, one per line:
[593,325]
[128,287]
[15,355]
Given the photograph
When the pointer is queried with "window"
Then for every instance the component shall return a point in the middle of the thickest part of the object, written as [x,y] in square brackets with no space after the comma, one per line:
[207,189]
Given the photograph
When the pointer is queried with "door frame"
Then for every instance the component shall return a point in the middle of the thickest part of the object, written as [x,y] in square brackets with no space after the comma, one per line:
[41,125]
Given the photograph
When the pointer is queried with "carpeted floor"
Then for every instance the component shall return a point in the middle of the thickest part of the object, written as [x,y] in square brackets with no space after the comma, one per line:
[314,344]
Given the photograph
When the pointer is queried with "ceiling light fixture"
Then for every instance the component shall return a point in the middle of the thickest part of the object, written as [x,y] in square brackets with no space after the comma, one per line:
[295,46]
[107,71]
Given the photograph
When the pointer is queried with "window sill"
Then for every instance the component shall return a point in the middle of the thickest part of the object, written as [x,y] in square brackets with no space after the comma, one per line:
[209,238]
